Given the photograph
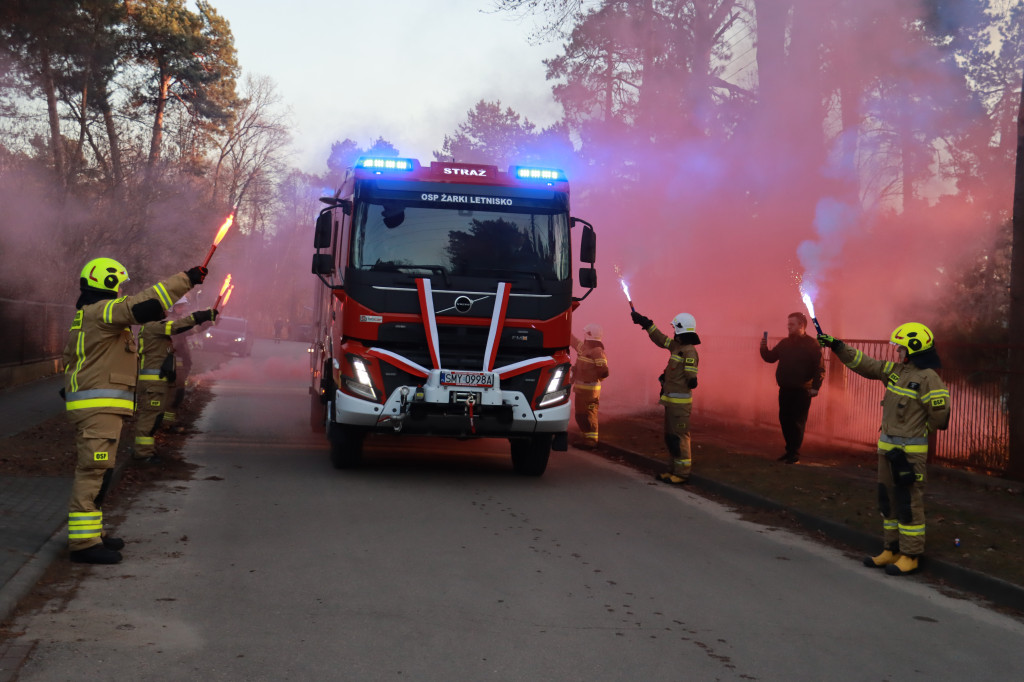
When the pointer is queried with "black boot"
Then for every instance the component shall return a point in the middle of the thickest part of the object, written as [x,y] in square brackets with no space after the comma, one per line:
[116,544]
[97,554]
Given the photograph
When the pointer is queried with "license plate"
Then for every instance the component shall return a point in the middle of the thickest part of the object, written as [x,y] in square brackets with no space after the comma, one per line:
[485,379]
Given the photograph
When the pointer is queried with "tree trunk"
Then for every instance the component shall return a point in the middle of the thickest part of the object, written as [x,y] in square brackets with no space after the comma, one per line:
[115,144]
[158,119]
[56,139]
[1016,388]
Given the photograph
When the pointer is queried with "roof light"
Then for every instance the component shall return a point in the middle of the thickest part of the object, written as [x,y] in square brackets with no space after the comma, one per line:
[385,164]
[546,174]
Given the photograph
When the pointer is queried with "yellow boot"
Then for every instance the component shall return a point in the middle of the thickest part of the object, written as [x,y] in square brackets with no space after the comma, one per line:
[904,565]
[884,559]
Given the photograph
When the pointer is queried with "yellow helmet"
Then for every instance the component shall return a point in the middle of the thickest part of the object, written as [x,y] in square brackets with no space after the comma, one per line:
[913,336]
[105,274]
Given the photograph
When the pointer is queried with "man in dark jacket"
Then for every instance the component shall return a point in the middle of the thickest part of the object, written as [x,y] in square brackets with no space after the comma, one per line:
[799,374]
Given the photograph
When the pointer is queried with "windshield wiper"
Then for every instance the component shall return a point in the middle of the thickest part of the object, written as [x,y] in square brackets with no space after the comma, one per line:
[499,271]
[403,267]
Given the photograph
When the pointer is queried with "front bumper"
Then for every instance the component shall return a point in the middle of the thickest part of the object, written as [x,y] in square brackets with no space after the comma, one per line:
[435,409]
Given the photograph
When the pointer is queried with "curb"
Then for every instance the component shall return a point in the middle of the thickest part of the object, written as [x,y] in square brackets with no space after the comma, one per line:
[25,580]
[995,590]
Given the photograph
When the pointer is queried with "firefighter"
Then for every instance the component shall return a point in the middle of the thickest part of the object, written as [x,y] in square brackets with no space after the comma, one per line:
[158,377]
[182,369]
[677,384]
[99,389]
[590,369]
[916,404]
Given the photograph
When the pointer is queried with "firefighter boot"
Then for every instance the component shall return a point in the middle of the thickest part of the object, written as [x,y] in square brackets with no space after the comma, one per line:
[888,556]
[96,554]
[675,480]
[904,565]
[116,544]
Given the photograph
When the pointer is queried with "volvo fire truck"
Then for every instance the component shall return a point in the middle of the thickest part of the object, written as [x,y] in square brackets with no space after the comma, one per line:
[446,306]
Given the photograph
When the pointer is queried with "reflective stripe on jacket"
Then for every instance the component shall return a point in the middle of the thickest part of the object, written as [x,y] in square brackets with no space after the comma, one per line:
[681,367]
[591,361]
[916,401]
[100,370]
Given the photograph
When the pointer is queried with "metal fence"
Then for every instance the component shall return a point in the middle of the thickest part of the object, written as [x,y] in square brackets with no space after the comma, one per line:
[848,407]
[31,331]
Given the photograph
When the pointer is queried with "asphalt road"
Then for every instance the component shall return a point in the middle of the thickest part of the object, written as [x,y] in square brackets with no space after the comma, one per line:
[436,562]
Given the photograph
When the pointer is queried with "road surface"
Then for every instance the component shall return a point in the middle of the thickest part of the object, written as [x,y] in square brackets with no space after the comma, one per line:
[436,562]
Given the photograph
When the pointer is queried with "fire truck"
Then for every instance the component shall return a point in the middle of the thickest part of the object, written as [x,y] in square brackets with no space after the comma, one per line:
[445,306]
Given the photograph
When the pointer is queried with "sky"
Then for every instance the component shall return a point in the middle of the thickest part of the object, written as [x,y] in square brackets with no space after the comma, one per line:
[406,70]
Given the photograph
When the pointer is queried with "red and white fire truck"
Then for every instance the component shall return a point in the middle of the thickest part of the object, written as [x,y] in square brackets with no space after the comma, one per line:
[446,306]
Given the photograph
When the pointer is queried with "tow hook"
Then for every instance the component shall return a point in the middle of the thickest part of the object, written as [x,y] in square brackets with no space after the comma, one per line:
[470,401]
[399,421]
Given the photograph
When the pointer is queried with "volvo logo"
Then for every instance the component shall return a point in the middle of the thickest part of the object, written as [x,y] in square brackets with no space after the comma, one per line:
[463,304]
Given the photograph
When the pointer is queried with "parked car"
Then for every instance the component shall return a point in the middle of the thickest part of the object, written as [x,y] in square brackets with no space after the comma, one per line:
[229,335]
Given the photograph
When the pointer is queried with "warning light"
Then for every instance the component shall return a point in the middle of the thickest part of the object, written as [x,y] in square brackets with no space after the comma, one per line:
[547,174]
[386,164]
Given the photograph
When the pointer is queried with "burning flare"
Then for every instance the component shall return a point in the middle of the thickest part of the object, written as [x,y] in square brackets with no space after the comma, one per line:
[224,288]
[227,296]
[220,235]
[806,293]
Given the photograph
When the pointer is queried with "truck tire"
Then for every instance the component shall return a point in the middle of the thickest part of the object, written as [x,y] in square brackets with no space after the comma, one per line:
[530,455]
[346,445]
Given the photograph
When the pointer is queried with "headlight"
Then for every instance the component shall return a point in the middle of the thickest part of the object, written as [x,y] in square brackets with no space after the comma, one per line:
[555,393]
[361,384]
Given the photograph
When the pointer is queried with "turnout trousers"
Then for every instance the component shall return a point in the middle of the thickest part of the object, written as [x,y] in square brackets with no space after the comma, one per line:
[96,440]
[588,398]
[152,399]
[677,436]
[902,506]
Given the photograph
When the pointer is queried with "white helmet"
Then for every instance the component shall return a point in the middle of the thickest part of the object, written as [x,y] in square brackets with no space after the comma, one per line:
[683,323]
[593,332]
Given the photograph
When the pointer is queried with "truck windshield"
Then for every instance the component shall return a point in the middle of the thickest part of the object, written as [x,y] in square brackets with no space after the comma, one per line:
[393,235]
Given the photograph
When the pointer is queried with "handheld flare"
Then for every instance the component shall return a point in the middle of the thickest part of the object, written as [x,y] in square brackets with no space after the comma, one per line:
[220,235]
[625,290]
[809,302]
[224,288]
[227,296]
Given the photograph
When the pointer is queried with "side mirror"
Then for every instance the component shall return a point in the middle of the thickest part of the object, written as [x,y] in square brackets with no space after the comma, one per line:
[588,244]
[323,264]
[324,230]
[588,278]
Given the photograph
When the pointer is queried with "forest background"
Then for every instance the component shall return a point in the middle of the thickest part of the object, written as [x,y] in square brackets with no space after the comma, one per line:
[731,149]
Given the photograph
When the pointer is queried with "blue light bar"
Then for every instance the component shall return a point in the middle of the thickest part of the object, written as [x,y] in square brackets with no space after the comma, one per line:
[382,164]
[546,174]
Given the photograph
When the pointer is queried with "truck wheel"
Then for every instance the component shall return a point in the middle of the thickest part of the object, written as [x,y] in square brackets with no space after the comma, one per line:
[530,455]
[346,445]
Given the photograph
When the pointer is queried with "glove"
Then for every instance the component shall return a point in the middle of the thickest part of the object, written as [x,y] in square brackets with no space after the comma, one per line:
[167,370]
[639,319]
[692,382]
[830,342]
[204,316]
[197,274]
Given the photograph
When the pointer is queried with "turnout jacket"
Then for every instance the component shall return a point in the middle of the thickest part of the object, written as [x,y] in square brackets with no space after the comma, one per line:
[800,364]
[155,344]
[591,362]
[916,401]
[681,371]
[100,367]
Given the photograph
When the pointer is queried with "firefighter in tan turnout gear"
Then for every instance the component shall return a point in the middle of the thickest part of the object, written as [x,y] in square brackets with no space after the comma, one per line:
[590,370]
[157,375]
[677,384]
[99,389]
[916,403]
